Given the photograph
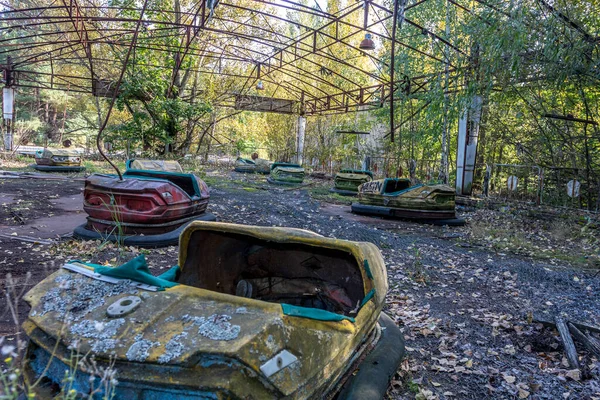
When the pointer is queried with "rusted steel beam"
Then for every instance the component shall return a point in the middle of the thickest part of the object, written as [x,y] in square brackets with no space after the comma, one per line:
[288,51]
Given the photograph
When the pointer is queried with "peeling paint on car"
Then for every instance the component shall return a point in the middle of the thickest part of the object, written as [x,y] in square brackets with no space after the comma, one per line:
[77,296]
[140,350]
[173,349]
[215,327]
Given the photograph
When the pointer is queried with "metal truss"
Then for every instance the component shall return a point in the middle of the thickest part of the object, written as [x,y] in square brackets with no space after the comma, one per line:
[296,51]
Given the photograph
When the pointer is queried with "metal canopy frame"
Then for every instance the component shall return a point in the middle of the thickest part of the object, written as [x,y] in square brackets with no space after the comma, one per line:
[284,43]
[289,45]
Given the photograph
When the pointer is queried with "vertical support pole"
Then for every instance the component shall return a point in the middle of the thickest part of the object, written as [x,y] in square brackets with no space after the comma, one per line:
[398,10]
[8,106]
[468,134]
[444,164]
[300,139]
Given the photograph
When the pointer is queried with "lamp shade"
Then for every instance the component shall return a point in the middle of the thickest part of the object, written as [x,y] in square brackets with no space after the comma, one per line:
[367,43]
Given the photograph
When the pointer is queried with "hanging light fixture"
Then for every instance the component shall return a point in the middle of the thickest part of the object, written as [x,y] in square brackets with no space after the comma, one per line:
[260,85]
[367,43]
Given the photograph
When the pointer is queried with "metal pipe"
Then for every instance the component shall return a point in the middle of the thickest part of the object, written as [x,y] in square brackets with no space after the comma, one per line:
[393,61]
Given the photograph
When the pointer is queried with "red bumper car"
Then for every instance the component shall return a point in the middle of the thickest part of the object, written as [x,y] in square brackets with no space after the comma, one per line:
[146,208]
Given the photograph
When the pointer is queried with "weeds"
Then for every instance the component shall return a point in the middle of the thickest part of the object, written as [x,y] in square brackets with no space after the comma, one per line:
[560,238]
[118,231]
[417,271]
[13,383]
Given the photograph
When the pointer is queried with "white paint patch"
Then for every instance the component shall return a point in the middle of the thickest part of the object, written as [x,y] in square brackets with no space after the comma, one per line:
[277,363]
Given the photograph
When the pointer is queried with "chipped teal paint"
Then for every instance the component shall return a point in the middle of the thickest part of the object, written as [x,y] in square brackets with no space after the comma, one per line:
[368,269]
[56,371]
[368,297]
[313,313]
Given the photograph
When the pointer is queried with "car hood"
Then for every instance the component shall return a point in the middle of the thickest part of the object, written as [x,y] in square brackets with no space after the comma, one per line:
[186,326]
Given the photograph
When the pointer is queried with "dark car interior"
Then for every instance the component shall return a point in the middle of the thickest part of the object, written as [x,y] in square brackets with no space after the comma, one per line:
[295,274]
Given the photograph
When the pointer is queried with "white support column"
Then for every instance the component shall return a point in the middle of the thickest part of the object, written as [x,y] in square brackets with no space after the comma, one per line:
[8,106]
[468,134]
[300,140]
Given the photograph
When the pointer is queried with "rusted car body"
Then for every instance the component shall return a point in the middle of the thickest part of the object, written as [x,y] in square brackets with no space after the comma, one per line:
[252,313]
[392,197]
[58,160]
[286,174]
[347,181]
[154,204]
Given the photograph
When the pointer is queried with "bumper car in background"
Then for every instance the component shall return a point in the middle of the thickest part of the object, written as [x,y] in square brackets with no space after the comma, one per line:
[396,198]
[347,181]
[153,165]
[249,313]
[58,160]
[244,165]
[286,174]
[257,165]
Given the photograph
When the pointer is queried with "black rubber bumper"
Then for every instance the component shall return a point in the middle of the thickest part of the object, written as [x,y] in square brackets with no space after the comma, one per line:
[161,240]
[275,182]
[374,373]
[388,212]
[342,192]
[57,168]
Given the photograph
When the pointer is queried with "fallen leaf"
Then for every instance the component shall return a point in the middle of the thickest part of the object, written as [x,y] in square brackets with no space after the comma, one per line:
[523,394]
[574,374]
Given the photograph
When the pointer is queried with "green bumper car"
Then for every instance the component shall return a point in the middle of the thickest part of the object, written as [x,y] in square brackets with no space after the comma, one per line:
[397,198]
[286,174]
[347,181]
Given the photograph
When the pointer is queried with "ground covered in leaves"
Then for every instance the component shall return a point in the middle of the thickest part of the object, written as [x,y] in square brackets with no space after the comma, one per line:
[464,297]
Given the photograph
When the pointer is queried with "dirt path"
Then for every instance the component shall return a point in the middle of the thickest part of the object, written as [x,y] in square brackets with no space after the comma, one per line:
[40,208]
[463,308]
